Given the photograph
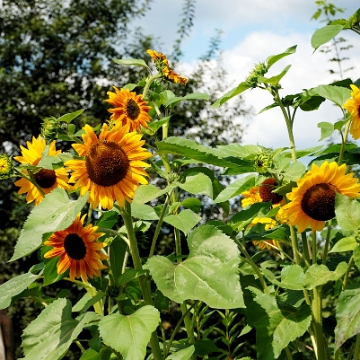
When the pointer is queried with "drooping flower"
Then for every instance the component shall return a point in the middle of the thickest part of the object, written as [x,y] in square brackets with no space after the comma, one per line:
[129,108]
[6,166]
[262,193]
[353,106]
[269,224]
[46,179]
[162,65]
[112,165]
[78,250]
[313,200]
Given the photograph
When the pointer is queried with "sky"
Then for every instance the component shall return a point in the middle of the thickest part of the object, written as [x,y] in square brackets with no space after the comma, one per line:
[252,31]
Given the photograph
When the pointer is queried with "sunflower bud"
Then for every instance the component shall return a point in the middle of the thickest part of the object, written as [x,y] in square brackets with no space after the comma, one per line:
[263,161]
[113,291]
[6,166]
[253,79]
[50,128]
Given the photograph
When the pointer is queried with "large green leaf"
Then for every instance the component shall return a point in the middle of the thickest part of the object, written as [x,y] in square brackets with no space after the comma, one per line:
[183,221]
[56,212]
[70,116]
[191,149]
[209,274]
[131,62]
[345,244]
[347,316]
[236,188]
[144,212]
[336,94]
[198,184]
[347,213]
[49,336]
[130,334]
[194,96]
[14,287]
[272,59]
[293,278]
[243,86]
[276,325]
[146,193]
[325,34]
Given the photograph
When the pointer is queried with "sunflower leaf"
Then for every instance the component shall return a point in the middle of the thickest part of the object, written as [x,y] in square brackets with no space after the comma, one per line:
[56,212]
[276,324]
[325,34]
[134,331]
[327,129]
[345,244]
[131,62]
[50,335]
[183,221]
[213,257]
[183,354]
[347,316]
[146,193]
[198,184]
[70,116]
[347,213]
[336,94]
[243,86]
[14,287]
[271,60]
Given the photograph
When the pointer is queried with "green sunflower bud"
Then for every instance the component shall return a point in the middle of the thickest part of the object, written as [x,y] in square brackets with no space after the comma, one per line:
[113,291]
[253,79]
[263,161]
[6,166]
[50,128]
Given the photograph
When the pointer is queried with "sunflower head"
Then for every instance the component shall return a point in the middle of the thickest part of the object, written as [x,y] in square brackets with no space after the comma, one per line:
[162,65]
[313,200]
[111,167]
[353,106]
[129,109]
[250,197]
[43,181]
[6,166]
[78,250]
[266,191]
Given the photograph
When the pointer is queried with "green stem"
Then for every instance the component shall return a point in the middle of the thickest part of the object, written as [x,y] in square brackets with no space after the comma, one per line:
[177,328]
[356,355]
[294,244]
[343,142]
[289,124]
[148,83]
[134,250]
[158,226]
[327,243]
[306,249]
[288,353]
[253,265]
[314,247]
[317,323]
[31,179]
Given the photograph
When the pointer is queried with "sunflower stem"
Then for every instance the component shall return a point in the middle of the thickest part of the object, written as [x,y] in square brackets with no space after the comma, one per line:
[343,142]
[306,249]
[314,247]
[148,83]
[158,226]
[288,121]
[357,347]
[98,306]
[317,323]
[31,179]
[327,243]
[294,244]
[134,250]
[253,265]
[346,277]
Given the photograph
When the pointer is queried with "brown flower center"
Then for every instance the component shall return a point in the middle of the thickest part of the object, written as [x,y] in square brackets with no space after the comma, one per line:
[266,193]
[107,164]
[132,109]
[358,111]
[319,202]
[45,178]
[75,247]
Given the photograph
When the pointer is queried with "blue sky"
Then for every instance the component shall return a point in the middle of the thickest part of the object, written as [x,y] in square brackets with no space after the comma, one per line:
[253,30]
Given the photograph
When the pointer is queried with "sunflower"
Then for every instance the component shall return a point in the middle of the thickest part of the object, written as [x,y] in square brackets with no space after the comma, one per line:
[130,108]
[46,179]
[313,200]
[111,168]
[78,250]
[6,166]
[269,224]
[262,193]
[353,106]
[162,65]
